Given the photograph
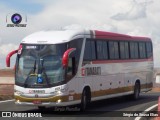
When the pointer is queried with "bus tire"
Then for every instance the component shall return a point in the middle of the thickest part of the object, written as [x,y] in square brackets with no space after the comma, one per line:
[84,97]
[136,93]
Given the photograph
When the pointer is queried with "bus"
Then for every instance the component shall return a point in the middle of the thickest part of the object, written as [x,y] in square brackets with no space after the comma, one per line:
[70,67]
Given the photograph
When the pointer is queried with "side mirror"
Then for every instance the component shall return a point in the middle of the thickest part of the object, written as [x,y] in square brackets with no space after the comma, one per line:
[12,53]
[9,56]
[66,56]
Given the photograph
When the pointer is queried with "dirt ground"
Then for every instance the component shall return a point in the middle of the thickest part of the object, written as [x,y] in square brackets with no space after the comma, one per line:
[6,73]
[6,97]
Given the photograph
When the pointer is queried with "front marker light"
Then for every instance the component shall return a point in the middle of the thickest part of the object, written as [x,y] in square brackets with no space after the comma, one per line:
[59,101]
[18,101]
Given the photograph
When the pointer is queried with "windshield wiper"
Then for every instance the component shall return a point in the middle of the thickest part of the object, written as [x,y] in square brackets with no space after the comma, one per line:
[42,70]
[32,70]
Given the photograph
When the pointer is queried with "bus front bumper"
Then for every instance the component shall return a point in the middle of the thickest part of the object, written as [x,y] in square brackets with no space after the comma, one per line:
[51,101]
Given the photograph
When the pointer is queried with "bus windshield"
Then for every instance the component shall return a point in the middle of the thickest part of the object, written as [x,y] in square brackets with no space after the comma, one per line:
[40,65]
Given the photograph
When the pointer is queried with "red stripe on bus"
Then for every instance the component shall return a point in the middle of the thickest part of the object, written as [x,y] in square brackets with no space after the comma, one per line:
[115,36]
[120,61]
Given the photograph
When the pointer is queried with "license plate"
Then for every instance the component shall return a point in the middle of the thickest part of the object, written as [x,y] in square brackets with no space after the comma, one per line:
[37,102]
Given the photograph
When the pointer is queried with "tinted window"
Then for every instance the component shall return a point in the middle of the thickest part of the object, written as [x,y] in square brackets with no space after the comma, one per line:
[124,51]
[116,50]
[77,43]
[105,50]
[102,50]
[113,50]
[87,52]
[142,50]
[90,52]
[99,50]
[93,50]
[133,50]
[149,49]
[136,50]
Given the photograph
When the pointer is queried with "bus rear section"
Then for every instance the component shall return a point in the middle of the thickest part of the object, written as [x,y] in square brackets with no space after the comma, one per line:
[117,65]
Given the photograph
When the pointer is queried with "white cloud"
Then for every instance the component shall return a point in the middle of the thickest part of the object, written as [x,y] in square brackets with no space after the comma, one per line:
[137,10]
[6,48]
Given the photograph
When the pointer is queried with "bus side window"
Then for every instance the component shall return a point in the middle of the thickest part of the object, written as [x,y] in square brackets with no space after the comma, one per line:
[87,51]
[113,50]
[90,50]
[102,50]
[105,50]
[134,50]
[142,50]
[124,52]
[77,43]
[149,49]
[71,68]
[99,50]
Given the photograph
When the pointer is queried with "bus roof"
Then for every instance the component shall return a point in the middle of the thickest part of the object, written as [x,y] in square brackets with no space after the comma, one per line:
[57,37]
[53,37]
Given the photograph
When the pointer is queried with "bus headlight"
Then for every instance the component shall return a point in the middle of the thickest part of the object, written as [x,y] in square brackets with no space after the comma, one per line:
[64,89]
[60,90]
[18,92]
[56,92]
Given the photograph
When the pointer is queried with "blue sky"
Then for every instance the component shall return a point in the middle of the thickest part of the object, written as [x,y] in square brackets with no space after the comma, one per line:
[26,6]
[133,17]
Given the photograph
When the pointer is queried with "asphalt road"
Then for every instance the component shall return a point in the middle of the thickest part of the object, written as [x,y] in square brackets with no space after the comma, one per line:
[110,109]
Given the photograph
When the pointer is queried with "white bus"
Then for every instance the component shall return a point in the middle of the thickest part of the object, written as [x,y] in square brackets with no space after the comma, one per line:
[61,68]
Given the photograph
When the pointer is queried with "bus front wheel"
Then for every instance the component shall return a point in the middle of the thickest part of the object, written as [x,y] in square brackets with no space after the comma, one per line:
[83,101]
[41,107]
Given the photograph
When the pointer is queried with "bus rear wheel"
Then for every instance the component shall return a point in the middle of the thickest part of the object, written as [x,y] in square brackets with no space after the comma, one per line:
[136,93]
